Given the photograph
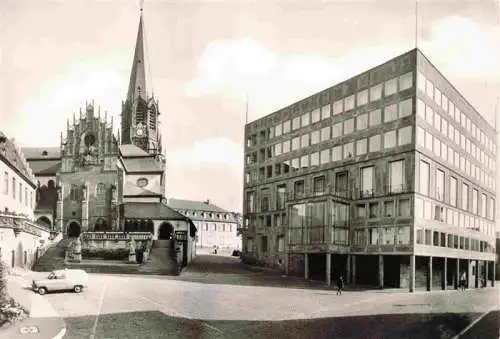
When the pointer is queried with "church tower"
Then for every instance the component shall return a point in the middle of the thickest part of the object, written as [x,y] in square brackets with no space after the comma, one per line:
[140,125]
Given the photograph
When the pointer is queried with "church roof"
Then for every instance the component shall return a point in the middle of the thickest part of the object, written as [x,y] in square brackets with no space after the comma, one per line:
[137,85]
[45,167]
[142,165]
[129,189]
[147,210]
[192,205]
[42,152]
[132,151]
[13,156]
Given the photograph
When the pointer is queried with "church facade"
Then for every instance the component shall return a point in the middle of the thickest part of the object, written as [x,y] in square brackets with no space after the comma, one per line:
[96,181]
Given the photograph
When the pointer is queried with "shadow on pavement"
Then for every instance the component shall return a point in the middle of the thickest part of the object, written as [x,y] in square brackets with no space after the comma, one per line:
[158,325]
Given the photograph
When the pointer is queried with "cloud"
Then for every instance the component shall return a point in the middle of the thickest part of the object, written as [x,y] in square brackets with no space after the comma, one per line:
[271,80]
[465,47]
[209,151]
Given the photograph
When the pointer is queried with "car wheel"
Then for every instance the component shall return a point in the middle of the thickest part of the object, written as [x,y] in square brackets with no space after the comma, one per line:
[42,290]
[77,289]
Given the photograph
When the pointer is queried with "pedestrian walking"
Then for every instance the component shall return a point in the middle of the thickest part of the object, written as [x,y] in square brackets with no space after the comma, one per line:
[463,280]
[340,285]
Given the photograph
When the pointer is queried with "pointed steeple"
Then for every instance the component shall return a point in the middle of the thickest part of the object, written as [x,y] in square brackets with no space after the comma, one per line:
[137,84]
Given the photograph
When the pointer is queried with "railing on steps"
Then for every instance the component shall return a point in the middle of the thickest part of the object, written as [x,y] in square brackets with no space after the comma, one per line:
[117,236]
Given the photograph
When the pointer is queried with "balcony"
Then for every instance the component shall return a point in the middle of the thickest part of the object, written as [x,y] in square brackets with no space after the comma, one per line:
[298,195]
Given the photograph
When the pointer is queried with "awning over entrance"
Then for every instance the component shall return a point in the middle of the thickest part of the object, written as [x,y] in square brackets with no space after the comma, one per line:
[148,210]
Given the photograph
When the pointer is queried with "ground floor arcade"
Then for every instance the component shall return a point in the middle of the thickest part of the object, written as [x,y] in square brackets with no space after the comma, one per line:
[410,272]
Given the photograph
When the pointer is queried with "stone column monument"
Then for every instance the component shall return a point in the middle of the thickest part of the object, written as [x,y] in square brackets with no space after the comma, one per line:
[85,208]
[60,209]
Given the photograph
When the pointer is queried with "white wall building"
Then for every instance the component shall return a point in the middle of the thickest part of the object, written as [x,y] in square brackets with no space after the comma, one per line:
[216,226]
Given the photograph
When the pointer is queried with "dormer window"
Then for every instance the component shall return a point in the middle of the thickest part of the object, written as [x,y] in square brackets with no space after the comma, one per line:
[44,153]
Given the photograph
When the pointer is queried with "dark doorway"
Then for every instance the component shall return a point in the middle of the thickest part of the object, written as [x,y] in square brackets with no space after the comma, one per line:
[317,266]
[392,271]
[367,270]
[100,225]
[74,230]
[166,231]
[44,221]
[338,267]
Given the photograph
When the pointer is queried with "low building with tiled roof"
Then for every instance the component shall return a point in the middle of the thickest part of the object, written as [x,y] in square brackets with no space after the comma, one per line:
[215,225]
[20,236]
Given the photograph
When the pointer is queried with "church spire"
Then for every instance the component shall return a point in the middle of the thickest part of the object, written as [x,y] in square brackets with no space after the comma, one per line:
[137,85]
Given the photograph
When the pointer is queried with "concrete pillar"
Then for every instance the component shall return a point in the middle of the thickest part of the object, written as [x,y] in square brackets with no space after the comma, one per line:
[348,269]
[478,274]
[412,273]
[493,274]
[444,282]
[469,273]
[353,268]
[328,269]
[286,263]
[486,275]
[381,271]
[457,273]
[306,265]
[429,274]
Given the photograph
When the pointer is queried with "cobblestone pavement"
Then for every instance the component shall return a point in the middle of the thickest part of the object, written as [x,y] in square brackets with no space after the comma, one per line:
[219,298]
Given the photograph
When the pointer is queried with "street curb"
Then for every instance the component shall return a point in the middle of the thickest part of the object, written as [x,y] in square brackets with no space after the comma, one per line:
[61,334]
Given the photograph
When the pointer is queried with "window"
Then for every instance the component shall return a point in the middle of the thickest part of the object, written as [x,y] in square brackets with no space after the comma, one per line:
[429,115]
[361,147]
[361,211]
[362,97]
[405,108]
[20,192]
[315,115]
[325,112]
[491,209]
[337,130]
[389,208]
[390,112]
[286,126]
[305,119]
[337,153]
[295,123]
[404,208]
[349,102]
[465,196]
[427,210]
[295,143]
[14,188]
[367,185]
[483,205]
[421,108]
[437,121]
[277,149]
[362,122]
[376,92]
[349,126]
[319,185]
[437,147]
[315,137]
[429,140]
[453,191]
[101,190]
[375,143]
[420,136]
[437,96]
[444,127]
[430,89]
[325,133]
[404,136]
[444,151]
[390,139]
[286,146]
[391,87]
[5,183]
[474,201]
[421,80]
[315,159]
[325,156]
[304,161]
[424,178]
[375,117]
[348,150]
[440,185]
[397,176]
[338,107]
[277,130]
[406,81]
[373,209]
[341,183]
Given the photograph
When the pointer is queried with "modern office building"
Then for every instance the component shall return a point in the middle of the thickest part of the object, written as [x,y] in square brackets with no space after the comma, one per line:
[387,178]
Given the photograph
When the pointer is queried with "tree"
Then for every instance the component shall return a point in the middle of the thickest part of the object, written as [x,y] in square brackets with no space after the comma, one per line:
[4,298]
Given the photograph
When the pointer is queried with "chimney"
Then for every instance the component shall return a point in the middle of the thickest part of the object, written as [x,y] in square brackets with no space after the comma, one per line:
[207,201]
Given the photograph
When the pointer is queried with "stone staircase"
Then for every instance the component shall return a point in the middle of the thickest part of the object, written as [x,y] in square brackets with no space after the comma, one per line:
[159,262]
[53,258]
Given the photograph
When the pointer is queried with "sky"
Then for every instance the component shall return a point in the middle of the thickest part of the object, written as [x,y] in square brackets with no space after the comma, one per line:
[206,57]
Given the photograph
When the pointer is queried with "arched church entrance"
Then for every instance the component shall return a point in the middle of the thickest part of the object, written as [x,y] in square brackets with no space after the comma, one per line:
[44,221]
[166,231]
[74,230]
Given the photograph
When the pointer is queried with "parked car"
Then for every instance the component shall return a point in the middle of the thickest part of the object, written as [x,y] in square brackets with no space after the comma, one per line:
[62,280]
[236,253]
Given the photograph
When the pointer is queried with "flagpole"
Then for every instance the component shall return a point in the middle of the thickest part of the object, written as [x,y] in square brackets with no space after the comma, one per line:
[416,24]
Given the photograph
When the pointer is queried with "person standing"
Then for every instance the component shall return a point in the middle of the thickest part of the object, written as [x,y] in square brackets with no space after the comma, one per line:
[340,285]
[463,280]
